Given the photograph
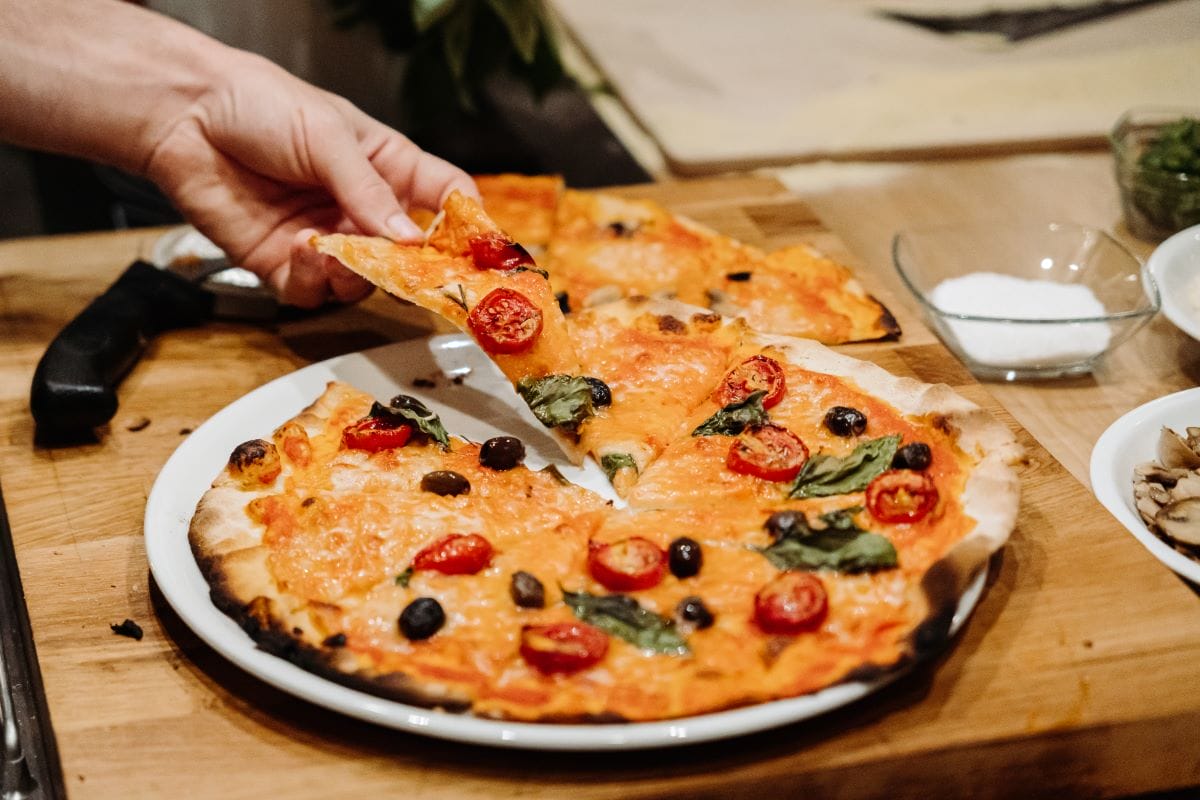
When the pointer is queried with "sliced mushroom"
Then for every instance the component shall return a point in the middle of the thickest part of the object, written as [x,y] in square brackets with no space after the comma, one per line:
[1158,494]
[1174,452]
[1181,520]
[1150,472]
[1185,487]
[1193,439]
[1148,509]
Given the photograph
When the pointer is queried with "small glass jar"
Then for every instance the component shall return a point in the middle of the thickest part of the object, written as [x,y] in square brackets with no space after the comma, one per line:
[1156,201]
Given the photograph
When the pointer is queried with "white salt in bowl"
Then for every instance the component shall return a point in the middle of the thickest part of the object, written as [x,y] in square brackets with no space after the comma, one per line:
[1018,301]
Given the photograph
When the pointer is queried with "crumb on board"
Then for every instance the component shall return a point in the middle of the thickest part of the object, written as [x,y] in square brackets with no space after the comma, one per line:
[139,424]
[128,628]
[184,431]
[424,383]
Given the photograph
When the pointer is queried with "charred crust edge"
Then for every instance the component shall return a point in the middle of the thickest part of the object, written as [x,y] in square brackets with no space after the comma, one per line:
[273,636]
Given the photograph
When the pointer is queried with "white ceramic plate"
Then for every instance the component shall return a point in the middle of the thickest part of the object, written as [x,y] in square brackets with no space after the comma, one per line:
[1175,265]
[1128,442]
[482,404]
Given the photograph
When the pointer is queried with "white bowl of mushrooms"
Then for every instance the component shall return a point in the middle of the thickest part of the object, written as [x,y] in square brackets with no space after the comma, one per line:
[1145,469]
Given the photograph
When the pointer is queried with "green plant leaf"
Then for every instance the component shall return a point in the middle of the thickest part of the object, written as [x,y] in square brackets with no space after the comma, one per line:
[413,412]
[523,21]
[456,47]
[824,475]
[622,616]
[841,545]
[611,463]
[557,400]
[427,13]
[735,417]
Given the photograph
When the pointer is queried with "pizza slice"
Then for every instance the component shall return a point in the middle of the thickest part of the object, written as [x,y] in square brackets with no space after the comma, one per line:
[365,543]
[605,247]
[799,292]
[796,422]
[659,359]
[473,274]
[522,205]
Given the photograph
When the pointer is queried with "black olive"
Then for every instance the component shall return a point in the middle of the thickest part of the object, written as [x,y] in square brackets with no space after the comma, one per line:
[915,455]
[692,609]
[845,421]
[737,277]
[782,524]
[623,229]
[410,403]
[335,640]
[601,394]
[564,302]
[502,452]
[445,482]
[685,557]
[422,618]
[527,591]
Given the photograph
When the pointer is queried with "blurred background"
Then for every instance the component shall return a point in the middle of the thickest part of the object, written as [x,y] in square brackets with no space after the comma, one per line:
[480,83]
[624,91]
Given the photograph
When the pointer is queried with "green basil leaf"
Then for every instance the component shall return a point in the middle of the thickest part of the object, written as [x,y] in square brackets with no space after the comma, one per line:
[840,546]
[622,616]
[612,463]
[735,417]
[557,400]
[835,550]
[824,475]
[413,412]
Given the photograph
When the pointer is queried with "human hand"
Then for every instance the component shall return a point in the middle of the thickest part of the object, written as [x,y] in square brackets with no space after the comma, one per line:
[262,161]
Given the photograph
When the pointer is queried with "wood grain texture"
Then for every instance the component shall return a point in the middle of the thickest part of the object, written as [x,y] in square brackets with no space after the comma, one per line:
[1074,675]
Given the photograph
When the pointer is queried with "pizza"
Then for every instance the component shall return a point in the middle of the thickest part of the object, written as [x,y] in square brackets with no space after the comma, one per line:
[795,518]
[597,247]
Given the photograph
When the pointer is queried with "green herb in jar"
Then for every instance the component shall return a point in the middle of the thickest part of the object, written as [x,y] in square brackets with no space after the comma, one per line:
[1166,186]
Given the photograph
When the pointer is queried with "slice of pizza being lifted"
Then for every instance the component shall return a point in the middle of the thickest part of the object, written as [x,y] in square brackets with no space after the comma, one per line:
[473,274]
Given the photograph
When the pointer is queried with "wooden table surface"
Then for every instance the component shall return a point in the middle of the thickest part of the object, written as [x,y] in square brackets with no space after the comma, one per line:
[1075,675]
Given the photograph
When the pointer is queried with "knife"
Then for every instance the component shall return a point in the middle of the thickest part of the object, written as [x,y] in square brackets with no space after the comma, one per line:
[75,384]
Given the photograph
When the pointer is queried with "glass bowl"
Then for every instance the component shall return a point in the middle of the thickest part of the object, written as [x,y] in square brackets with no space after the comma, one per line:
[1016,301]
[1156,152]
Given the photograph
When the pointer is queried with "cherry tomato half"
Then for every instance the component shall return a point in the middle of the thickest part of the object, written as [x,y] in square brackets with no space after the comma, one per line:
[757,373]
[628,565]
[563,647]
[497,251]
[455,555]
[901,495]
[505,322]
[792,603]
[769,452]
[374,434]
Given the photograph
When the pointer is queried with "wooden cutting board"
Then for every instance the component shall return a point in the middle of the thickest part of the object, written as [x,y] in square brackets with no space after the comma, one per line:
[1075,676]
[723,85]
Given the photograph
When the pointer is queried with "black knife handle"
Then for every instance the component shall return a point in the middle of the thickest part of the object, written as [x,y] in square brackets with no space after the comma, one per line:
[75,384]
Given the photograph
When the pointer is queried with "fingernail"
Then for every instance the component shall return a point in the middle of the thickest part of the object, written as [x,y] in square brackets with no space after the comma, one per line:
[403,228]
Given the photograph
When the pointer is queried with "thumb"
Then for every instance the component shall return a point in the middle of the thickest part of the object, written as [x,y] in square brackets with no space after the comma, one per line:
[363,195]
